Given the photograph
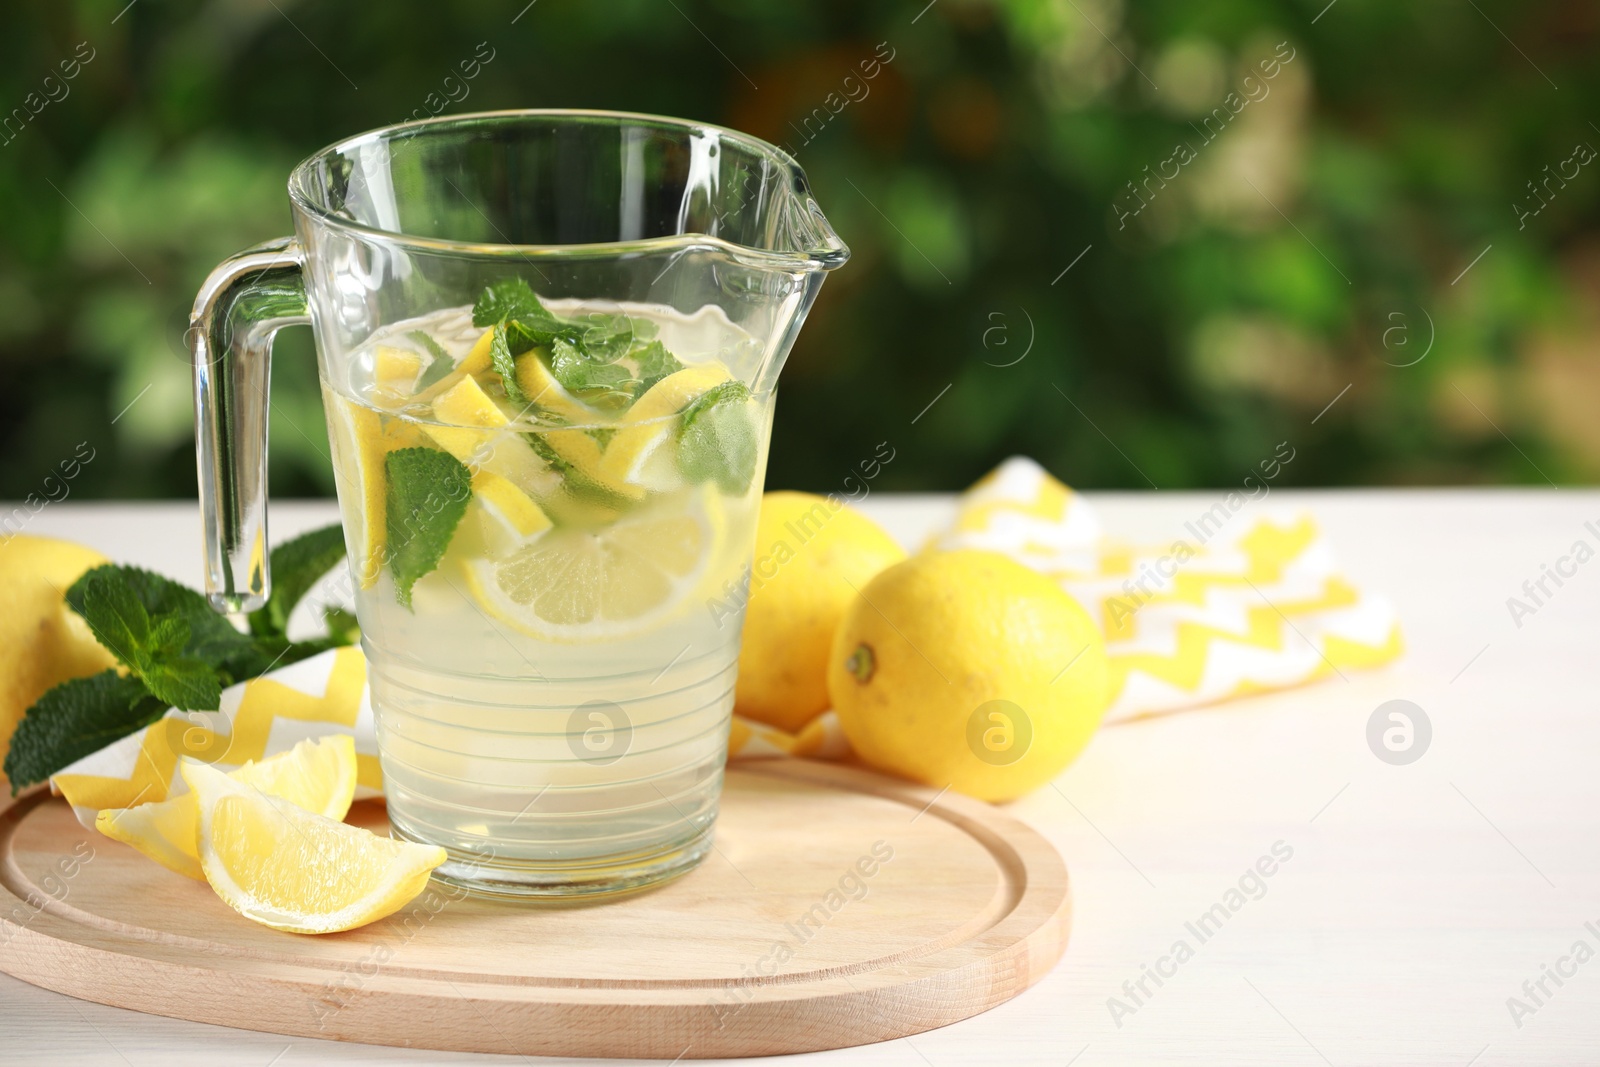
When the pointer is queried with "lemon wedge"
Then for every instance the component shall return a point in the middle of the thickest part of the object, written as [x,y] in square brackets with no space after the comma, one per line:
[361,439]
[318,775]
[636,456]
[477,359]
[577,585]
[508,518]
[478,433]
[395,371]
[542,389]
[292,869]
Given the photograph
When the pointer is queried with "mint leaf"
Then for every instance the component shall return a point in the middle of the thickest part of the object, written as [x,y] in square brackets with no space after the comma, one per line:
[297,565]
[717,438]
[185,683]
[509,298]
[74,719]
[521,336]
[506,366]
[439,365]
[153,648]
[117,617]
[596,383]
[654,363]
[427,496]
[212,637]
[607,337]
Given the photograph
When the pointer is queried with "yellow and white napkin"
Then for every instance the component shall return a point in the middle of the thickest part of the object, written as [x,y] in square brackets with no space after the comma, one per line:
[1238,603]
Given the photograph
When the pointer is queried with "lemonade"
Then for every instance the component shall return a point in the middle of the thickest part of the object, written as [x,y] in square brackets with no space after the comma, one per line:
[549,506]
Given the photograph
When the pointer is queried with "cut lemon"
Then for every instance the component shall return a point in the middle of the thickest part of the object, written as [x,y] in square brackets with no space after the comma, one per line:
[477,359]
[478,433]
[636,455]
[360,441]
[317,775]
[295,870]
[395,371]
[582,451]
[577,585]
[508,517]
[542,389]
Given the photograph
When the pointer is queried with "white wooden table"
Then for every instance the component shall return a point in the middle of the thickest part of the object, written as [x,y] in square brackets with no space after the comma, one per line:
[1418,899]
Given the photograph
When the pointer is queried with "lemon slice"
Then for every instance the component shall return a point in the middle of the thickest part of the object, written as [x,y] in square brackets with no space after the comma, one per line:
[292,869]
[317,775]
[478,433]
[508,518]
[576,585]
[636,455]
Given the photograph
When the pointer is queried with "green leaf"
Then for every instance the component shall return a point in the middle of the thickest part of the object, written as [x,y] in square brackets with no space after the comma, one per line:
[74,719]
[590,381]
[717,438]
[607,337]
[168,635]
[212,638]
[297,566]
[520,336]
[117,617]
[185,683]
[654,363]
[506,366]
[161,649]
[509,298]
[440,364]
[427,496]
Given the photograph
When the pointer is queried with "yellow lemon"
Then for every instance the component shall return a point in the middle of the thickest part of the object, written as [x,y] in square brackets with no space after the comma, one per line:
[812,554]
[292,869]
[42,641]
[966,669]
[319,776]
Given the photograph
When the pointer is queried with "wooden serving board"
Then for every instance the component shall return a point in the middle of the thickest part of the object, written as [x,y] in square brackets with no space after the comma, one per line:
[838,908]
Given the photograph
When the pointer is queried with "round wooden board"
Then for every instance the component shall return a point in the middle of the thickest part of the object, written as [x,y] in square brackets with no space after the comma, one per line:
[838,908]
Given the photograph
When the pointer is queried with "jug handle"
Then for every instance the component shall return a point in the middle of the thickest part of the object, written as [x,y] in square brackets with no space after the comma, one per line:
[243,303]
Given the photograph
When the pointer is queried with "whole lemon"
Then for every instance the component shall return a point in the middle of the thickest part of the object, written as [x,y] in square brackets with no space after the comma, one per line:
[812,554]
[966,669]
[42,641]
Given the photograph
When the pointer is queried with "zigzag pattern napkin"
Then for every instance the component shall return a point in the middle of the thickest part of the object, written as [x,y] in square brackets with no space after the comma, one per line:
[1230,608]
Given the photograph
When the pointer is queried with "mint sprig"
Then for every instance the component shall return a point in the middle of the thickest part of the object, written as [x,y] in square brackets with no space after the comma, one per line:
[427,497]
[589,354]
[174,650]
[509,299]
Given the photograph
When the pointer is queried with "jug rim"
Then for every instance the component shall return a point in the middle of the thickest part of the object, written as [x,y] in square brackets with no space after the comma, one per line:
[828,251]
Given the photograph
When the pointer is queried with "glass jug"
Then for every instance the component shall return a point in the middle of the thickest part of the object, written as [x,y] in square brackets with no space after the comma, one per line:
[548,343]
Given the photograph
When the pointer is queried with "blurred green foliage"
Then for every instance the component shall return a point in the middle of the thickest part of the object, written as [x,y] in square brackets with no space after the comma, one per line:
[1317,242]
